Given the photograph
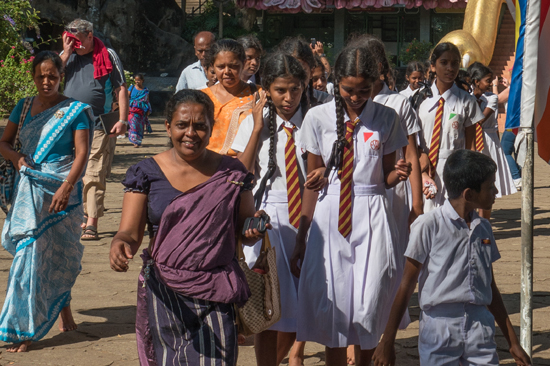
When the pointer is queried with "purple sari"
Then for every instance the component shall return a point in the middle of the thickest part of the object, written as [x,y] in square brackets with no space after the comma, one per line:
[193,267]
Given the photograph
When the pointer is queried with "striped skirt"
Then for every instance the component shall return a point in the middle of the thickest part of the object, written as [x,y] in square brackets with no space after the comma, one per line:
[188,331]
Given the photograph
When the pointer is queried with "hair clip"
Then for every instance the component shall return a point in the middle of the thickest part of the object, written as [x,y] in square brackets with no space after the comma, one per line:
[237,183]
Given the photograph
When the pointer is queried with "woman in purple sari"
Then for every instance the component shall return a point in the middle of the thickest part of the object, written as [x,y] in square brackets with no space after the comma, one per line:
[195,202]
[140,108]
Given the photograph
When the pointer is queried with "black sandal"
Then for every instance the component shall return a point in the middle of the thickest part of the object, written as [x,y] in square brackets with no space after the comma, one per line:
[91,232]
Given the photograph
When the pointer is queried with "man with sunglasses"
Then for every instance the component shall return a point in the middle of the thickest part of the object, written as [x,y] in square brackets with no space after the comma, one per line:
[93,74]
[194,75]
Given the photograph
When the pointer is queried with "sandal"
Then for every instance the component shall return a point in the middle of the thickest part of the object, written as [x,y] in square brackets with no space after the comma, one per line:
[90,232]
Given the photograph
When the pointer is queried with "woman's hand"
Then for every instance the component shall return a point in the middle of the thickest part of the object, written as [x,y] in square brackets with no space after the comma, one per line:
[119,255]
[260,99]
[403,169]
[318,48]
[253,235]
[61,198]
[427,184]
[316,180]
[19,161]
[297,257]
[520,356]
[384,355]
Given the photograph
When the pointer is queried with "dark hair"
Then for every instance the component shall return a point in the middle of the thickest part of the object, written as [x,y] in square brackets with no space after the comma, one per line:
[251,41]
[439,50]
[478,71]
[377,49]
[461,80]
[414,66]
[466,169]
[139,75]
[278,65]
[319,63]
[190,96]
[299,48]
[225,45]
[48,56]
[352,61]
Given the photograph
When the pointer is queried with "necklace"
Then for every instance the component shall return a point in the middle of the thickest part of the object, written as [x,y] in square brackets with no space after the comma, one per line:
[47,105]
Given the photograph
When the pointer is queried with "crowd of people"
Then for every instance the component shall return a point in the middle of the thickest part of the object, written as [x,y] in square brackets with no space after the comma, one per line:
[368,192]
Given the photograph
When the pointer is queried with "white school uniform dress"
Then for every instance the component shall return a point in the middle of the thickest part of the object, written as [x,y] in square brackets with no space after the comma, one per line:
[504,181]
[407,92]
[454,288]
[400,196]
[275,204]
[347,285]
[460,111]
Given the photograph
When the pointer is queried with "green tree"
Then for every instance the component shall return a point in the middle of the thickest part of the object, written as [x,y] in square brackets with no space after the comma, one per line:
[17,17]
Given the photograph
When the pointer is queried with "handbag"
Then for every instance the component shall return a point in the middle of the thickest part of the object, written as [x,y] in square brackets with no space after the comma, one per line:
[263,308]
[7,170]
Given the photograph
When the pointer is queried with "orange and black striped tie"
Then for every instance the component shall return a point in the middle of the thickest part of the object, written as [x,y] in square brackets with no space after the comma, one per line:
[292,180]
[436,134]
[344,214]
[480,144]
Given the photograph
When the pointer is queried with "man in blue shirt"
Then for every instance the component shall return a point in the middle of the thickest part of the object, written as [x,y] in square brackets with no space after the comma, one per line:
[84,83]
[194,75]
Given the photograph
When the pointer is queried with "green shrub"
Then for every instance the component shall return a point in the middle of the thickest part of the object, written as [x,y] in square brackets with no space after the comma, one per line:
[415,51]
[15,79]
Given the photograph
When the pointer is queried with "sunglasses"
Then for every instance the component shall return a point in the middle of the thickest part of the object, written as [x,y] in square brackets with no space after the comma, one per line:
[74,30]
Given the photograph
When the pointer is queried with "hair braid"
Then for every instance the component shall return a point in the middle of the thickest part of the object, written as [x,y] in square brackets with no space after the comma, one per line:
[272,127]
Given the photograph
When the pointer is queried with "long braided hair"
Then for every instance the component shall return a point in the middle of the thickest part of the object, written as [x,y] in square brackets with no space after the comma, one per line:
[278,65]
[353,61]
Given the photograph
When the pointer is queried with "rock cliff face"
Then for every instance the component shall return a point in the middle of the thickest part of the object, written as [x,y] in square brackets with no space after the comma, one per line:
[145,33]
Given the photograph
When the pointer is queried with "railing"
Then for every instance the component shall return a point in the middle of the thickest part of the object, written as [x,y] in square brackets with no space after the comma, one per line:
[199,9]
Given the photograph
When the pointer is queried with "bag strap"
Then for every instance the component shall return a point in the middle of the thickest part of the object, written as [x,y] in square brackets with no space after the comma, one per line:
[26,106]
[266,244]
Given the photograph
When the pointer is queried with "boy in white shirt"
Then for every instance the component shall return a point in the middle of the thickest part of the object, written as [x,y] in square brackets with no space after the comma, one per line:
[452,249]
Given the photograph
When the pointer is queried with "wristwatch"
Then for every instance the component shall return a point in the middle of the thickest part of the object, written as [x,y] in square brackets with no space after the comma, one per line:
[125,123]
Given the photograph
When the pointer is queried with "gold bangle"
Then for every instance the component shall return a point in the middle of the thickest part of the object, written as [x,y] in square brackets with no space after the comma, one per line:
[69,183]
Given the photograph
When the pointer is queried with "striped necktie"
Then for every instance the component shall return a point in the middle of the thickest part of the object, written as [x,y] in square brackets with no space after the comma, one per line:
[436,134]
[344,214]
[480,144]
[292,180]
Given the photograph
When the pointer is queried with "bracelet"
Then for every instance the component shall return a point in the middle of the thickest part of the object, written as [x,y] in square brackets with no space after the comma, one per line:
[125,123]
[69,183]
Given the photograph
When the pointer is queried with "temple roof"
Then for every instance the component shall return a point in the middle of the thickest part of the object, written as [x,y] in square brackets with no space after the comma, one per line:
[308,6]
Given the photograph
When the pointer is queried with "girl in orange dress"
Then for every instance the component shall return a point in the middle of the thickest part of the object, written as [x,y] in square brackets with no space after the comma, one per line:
[232,97]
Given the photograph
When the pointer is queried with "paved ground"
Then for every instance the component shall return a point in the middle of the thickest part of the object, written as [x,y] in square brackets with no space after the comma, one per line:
[104,301]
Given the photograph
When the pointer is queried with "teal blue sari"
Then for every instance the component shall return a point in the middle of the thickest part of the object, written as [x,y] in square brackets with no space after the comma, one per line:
[46,247]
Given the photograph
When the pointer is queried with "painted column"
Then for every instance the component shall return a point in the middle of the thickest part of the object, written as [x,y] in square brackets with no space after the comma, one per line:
[339,29]
[425,24]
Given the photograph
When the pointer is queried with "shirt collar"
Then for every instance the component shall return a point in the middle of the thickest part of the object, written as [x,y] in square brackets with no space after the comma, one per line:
[449,96]
[383,95]
[366,115]
[296,119]
[450,212]
[197,65]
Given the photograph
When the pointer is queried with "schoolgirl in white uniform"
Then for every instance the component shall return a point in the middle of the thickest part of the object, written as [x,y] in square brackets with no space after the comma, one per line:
[482,77]
[414,75]
[273,136]
[455,128]
[348,268]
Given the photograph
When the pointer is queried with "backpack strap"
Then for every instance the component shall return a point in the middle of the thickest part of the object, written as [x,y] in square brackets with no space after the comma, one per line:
[26,106]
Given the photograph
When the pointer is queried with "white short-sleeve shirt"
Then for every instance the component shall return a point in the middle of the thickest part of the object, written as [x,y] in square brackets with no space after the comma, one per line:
[192,77]
[278,180]
[460,111]
[378,133]
[401,105]
[407,92]
[489,100]
[456,260]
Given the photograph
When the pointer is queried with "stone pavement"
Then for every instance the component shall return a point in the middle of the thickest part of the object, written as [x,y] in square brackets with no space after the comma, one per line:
[104,301]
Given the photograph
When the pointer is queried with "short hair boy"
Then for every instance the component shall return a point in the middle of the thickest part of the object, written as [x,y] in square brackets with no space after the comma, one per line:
[452,250]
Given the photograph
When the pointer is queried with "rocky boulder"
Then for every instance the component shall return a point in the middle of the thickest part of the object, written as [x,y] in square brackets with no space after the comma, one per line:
[145,33]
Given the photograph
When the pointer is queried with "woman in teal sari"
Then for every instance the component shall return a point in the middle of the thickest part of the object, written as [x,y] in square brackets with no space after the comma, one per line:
[42,227]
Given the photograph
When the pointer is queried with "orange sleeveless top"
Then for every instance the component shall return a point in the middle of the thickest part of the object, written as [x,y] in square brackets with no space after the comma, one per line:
[228,117]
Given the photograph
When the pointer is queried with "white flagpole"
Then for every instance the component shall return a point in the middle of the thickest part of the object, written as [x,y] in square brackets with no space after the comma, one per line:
[530,60]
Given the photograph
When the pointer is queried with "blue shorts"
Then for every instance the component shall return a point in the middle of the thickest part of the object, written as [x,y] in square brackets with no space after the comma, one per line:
[457,334]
